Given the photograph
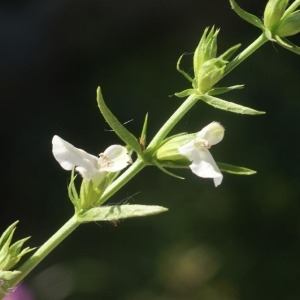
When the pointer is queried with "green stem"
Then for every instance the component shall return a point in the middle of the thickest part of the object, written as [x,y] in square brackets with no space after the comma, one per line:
[247,52]
[173,120]
[43,251]
[139,164]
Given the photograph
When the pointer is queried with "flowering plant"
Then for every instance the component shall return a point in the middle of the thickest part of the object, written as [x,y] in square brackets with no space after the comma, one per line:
[100,177]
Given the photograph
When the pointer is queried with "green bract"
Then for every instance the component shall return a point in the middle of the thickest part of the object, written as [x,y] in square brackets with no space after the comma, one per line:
[209,69]
[10,254]
[290,25]
[169,149]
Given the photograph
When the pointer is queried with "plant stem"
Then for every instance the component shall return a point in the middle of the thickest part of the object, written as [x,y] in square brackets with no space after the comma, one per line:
[247,52]
[173,120]
[43,251]
[139,164]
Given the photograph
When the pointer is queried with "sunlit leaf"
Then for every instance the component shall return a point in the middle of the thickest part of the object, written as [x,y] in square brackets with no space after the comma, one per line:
[230,106]
[235,169]
[116,212]
[128,138]
[222,90]
[185,93]
[252,19]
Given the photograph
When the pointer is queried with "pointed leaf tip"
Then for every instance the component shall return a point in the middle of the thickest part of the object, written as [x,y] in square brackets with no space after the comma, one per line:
[124,134]
[230,106]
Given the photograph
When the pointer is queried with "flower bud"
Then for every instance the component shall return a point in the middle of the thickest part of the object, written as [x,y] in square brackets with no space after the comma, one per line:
[206,49]
[273,12]
[290,25]
[209,74]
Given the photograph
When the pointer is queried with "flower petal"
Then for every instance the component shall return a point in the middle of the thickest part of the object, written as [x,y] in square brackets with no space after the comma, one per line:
[188,150]
[203,165]
[69,157]
[114,158]
[213,133]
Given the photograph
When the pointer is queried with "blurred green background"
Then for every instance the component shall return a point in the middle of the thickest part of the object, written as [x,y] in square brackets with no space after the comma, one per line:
[239,241]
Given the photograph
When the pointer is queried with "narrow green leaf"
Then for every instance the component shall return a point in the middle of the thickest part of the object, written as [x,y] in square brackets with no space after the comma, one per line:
[8,233]
[185,93]
[186,75]
[235,169]
[143,138]
[287,44]
[228,53]
[252,19]
[128,138]
[116,212]
[222,90]
[230,106]
[157,164]
[72,192]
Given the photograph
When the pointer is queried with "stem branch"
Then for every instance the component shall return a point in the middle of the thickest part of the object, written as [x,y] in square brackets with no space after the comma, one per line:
[246,53]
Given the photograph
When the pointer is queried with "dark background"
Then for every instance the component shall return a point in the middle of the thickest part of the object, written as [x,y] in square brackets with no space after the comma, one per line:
[238,241]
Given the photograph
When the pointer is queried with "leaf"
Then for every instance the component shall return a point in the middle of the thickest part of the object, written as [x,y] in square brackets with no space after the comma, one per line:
[252,19]
[186,75]
[287,44]
[229,106]
[235,169]
[185,93]
[116,212]
[228,53]
[7,234]
[120,130]
[222,90]
[143,138]
[157,164]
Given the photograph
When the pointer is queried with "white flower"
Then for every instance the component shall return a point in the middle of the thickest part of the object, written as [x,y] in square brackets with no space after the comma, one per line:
[203,164]
[113,159]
